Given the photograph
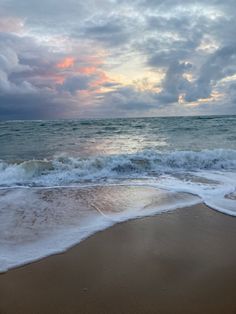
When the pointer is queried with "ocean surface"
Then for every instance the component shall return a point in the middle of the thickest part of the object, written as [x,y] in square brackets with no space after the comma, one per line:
[61,181]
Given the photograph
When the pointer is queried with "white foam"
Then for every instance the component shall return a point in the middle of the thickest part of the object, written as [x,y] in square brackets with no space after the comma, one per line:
[35,223]
[211,187]
[65,170]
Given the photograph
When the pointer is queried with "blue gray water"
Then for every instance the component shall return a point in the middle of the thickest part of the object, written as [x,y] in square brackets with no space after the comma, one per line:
[26,140]
[62,180]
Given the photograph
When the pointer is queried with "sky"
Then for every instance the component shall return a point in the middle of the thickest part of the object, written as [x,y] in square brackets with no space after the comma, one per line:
[110,58]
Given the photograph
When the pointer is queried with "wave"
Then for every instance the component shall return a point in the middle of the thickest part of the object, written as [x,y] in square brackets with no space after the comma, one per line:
[71,198]
[36,223]
[62,170]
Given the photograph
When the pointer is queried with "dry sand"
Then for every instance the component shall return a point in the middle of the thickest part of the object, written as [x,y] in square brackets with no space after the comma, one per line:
[178,262]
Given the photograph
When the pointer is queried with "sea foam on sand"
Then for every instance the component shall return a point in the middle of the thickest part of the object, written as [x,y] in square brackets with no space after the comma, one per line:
[37,222]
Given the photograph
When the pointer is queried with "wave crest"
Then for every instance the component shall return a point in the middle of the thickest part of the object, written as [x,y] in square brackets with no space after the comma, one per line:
[65,170]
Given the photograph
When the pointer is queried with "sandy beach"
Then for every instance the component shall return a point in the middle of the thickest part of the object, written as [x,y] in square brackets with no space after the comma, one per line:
[178,262]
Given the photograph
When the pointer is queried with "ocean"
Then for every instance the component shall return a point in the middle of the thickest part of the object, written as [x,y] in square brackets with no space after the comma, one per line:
[62,181]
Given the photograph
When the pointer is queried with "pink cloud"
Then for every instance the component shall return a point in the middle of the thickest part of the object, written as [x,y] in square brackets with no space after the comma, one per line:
[66,63]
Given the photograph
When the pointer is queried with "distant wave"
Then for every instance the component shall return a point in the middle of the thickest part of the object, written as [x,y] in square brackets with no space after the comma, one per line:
[63,169]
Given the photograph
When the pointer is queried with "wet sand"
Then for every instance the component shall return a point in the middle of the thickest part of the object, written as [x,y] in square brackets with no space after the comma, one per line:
[178,262]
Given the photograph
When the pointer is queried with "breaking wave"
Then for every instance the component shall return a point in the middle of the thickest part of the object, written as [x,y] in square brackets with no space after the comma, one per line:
[65,170]
[71,198]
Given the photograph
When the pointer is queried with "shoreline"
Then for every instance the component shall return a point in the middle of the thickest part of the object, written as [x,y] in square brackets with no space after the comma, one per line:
[174,262]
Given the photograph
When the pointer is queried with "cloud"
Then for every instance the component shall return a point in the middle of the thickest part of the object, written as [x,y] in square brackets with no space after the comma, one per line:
[129,101]
[174,83]
[76,83]
[219,65]
[66,63]
[74,58]
[112,30]
[9,65]
[32,85]
[10,24]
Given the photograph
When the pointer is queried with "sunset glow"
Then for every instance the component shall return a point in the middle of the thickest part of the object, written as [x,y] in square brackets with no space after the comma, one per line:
[66,63]
[120,54]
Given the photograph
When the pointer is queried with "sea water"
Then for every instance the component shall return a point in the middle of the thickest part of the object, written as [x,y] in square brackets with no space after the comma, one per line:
[61,181]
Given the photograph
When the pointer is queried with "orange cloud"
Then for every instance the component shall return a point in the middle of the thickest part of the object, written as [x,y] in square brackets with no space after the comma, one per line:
[102,78]
[66,63]
[91,66]
[87,70]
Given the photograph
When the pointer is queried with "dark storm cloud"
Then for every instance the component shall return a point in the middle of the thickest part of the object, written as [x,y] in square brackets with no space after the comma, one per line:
[192,43]
[172,38]
[10,64]
[128,98]
[76,83]
[54,15]
[178,40]
[29,106]
[130,101]
[45,13]
[174,83]
[172,4]
[28,81]
[219,65]
[112,30]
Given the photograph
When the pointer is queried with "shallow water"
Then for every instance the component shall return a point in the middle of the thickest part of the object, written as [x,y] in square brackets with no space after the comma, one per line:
[61,181]
[38,222]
